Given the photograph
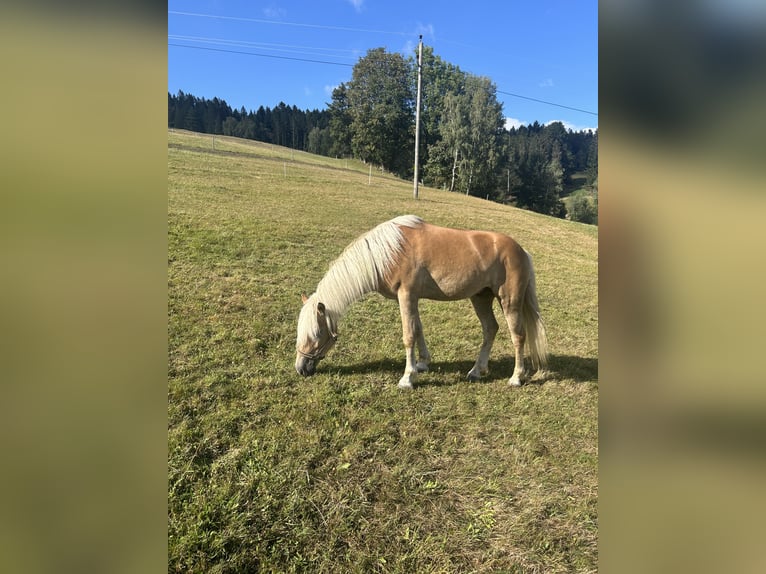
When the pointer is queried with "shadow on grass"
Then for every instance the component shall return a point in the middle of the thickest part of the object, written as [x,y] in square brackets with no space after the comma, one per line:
[560,367]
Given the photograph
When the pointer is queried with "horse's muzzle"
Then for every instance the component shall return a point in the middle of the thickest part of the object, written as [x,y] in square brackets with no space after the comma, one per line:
[305,366]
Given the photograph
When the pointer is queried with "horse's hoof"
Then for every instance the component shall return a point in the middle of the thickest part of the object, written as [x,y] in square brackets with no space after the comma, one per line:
[515,382]
[421,367]
[477,373]
[405,384]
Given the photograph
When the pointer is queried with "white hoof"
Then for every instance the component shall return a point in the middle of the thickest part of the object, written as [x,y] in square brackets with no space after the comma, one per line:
[515,381]
[405,383]
[477,372]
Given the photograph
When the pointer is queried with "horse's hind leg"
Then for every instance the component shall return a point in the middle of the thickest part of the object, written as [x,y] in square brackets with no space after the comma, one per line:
[482,304]
[424,357]
[511,304]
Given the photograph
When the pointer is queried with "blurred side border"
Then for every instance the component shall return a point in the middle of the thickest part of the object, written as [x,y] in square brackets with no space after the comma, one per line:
[84,305]
[682,408]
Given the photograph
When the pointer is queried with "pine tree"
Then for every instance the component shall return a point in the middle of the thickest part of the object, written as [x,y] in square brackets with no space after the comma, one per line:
[591,170]
[191,121]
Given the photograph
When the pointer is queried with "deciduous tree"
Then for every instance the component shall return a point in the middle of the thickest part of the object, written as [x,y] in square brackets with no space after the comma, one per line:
[380,99]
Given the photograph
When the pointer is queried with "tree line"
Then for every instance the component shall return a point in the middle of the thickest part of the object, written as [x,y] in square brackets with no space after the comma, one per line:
[282,125]
[465,146]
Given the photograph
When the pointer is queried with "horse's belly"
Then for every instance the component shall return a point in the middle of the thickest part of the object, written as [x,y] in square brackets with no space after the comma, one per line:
[451,287]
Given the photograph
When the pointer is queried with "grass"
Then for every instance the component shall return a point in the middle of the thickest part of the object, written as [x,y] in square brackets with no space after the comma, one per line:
[342,472]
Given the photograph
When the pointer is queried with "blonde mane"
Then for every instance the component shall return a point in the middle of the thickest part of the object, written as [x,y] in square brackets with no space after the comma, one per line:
[362,265]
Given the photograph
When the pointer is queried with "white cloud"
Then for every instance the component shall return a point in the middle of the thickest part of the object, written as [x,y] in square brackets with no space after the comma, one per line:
[546,83]
[573,127]
[427,30]
[274,13]
[357,4]
[516,123]
[328,90]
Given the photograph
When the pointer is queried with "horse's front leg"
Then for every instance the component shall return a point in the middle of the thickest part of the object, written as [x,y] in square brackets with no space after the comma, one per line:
[411,334]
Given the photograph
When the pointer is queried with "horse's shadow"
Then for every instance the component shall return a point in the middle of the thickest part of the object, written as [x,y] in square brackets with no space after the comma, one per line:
[447,373]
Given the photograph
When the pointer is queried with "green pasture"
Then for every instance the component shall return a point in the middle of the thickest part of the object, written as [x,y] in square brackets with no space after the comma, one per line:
[343,472]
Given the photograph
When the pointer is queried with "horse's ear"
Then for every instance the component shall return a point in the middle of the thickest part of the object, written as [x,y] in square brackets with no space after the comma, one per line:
[304,298]
[320,307]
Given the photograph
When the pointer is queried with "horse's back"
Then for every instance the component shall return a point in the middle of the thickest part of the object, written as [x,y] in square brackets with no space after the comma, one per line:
[445,263]
[462,247]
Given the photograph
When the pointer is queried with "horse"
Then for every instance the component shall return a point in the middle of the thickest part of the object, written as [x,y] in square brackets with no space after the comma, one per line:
[407,259]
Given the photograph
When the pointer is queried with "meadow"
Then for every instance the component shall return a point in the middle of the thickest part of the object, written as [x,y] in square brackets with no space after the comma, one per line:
[343,472]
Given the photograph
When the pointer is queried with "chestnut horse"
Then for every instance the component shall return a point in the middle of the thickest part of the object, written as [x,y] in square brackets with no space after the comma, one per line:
[408,259]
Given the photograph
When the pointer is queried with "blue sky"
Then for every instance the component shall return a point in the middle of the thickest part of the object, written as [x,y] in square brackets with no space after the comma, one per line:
[541,49]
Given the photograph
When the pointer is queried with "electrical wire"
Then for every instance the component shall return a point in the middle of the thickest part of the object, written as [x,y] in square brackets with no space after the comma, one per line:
[283,23]
[261,55]
[548,103]
[313,61]
[291,48]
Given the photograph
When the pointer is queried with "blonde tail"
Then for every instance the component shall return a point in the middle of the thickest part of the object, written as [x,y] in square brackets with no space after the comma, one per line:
[537,342]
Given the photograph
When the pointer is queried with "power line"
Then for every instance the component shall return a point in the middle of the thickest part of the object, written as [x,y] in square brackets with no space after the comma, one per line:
[261,55]
[548,103]
[290,48]
[352,65]
[317,26]
[282,23]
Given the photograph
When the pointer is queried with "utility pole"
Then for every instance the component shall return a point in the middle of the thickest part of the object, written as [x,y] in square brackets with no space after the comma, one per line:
[417,119]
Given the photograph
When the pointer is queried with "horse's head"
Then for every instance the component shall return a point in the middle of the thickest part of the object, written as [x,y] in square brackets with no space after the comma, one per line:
[317,334]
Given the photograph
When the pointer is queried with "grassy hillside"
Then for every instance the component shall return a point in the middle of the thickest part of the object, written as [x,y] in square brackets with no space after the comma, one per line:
[343,472]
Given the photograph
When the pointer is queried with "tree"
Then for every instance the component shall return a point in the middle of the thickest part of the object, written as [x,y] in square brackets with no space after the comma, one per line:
[540,184]
[180,105]
[263,122]
[318,141]
[485,125]
[454,132]
[230,126]
[591,170]
[172,105]
[245,128]
[380,99]
[191,120]
[583,210]
[340,122]
[439,78]
[470,127]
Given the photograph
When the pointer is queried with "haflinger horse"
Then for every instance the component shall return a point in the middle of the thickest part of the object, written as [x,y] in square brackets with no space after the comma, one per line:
[408,259]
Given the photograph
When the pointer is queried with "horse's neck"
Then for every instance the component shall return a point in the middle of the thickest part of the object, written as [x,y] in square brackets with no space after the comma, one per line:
[335,303]
[338,294]
[357,271]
